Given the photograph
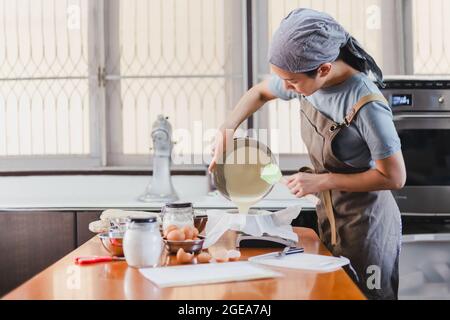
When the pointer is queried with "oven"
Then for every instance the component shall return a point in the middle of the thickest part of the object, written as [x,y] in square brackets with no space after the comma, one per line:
[422,117]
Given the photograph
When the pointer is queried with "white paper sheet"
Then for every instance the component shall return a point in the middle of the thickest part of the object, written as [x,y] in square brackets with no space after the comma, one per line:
[303,261]
[198,274]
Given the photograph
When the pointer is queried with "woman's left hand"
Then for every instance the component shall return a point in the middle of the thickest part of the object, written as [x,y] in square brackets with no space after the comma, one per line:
[302,184]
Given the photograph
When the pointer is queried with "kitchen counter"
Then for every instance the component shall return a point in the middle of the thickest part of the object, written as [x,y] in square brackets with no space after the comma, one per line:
[99,192]
[115,280]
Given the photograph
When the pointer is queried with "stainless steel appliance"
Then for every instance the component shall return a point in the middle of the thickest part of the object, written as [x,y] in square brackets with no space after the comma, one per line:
[161,188]
[422,118]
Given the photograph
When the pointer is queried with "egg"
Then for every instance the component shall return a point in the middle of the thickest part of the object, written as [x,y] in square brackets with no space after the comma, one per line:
[168,229]
[221,256]
[176,235]
[188,232]
[184,257]
[233,255]
[204,257]
[221,259]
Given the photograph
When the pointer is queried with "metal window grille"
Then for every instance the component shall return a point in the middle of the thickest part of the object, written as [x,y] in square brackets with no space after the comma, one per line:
[431,37]
[44,77]
[183,59]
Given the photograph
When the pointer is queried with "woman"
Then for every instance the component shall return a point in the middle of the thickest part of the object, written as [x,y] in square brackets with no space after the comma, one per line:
[348,129]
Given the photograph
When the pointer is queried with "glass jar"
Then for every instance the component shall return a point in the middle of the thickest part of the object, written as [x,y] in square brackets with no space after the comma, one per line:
[178,214]
[142,243]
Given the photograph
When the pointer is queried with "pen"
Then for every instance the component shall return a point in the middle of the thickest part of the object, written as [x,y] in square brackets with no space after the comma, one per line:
[288,251]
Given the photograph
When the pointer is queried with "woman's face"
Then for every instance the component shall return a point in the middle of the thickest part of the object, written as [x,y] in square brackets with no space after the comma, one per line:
[300,82]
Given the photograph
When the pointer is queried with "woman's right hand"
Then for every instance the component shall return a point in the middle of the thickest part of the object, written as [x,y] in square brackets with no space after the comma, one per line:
[224,138]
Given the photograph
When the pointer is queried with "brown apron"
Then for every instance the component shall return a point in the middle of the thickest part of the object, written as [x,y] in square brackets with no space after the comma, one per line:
[365,227]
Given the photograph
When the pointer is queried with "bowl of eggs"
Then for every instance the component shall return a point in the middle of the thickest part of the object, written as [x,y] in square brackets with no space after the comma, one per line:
[186,238]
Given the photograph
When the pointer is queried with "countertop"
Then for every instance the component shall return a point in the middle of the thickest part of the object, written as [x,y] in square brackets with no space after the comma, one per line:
[98,192]
[115,280]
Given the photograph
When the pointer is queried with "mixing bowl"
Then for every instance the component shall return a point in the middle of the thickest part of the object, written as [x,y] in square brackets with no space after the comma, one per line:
[112,244]
[238,175]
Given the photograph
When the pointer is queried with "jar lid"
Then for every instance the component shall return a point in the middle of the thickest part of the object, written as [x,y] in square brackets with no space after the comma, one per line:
[179,205]
[142,219]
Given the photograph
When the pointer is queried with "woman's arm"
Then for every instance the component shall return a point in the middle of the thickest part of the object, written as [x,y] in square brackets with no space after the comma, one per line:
[389,174]
[250,102]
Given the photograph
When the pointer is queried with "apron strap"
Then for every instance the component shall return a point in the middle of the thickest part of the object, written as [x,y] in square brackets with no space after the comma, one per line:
[328,204]
[362,103]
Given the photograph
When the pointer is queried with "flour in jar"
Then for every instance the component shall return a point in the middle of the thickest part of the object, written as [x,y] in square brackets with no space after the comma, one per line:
[142,244]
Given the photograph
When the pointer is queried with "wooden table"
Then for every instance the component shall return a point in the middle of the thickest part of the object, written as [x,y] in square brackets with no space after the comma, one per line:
[115,280]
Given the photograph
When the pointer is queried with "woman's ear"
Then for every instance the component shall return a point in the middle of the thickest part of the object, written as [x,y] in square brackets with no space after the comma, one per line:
[324,69]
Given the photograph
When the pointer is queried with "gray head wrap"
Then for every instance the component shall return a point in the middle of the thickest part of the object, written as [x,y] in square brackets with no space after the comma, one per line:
[306,39]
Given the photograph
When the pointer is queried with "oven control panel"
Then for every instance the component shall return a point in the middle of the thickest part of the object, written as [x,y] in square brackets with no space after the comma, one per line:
[402,100]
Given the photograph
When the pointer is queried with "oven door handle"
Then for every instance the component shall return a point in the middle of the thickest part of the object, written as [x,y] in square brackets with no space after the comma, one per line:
[422,115]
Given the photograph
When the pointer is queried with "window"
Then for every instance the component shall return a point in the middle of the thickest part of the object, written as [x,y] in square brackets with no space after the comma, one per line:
[83,80]
[183,59]
[46,111]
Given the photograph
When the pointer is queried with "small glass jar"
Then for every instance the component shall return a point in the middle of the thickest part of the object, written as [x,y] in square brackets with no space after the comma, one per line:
[177,214]
[142,243]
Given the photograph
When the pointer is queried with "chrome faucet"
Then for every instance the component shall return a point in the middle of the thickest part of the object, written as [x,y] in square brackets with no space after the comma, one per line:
[161,189]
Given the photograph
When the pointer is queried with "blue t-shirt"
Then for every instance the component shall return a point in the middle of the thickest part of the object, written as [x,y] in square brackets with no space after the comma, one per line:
[372,135]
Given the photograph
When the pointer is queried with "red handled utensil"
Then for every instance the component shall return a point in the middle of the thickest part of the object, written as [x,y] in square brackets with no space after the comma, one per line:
[96,259]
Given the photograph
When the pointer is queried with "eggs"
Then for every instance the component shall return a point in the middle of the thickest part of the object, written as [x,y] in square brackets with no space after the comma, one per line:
[189,233]
[168,229]
[184,257]
[221,256]
[204,257]
[234,255]
[176,235]
[173,233]
[224,255]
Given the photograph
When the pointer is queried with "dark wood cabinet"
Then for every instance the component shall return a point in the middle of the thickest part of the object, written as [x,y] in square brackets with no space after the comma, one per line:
[83,220]
[30,241]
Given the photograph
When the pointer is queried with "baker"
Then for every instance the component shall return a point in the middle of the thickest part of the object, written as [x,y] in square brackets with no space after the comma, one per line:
[347,127]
